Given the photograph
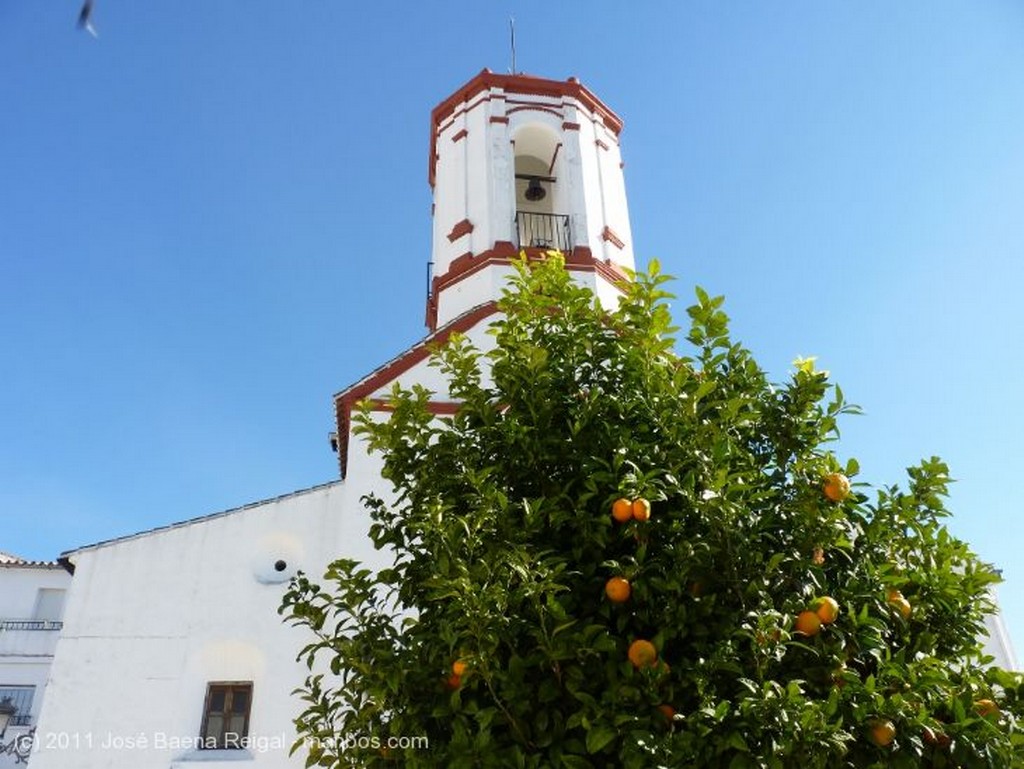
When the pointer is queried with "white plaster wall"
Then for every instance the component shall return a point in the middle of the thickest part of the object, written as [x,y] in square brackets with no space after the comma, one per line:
[19,585]
[428,376]
[471,175]
[451,207]
[489,283]
[998,644]
[472,291]
[616,209]
[152,619]
[590,182]
[26,655]
[500,170]
[479,173]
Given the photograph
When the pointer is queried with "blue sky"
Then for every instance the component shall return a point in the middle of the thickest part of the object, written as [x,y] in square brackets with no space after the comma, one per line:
[216,215]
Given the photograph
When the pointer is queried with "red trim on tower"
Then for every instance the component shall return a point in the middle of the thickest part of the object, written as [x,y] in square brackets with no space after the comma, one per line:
[567,126]
[450,121]
[609,234]
[536,108]
[461,228]
[523,84]
[345,400]
[460,135]
[580,259]
[438,408]
[499,119]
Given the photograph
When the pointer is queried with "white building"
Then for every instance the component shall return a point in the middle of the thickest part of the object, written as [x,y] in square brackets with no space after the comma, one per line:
[172,642]
[172,652]
[998,644]
[31,607]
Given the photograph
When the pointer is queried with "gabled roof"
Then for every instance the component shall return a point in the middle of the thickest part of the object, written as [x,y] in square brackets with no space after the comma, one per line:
[394,368]
[409,357]
[64,559]
[7,560]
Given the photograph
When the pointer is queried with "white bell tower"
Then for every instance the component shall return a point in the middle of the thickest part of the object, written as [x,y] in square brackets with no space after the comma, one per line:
[522,163]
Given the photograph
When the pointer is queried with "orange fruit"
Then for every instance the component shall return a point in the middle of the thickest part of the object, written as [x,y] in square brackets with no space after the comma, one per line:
[642,653]
[827,609]
[986,708]
[882,732]
[453,681]
[667,710]
[899,603]
[808,623]
[904,608]
[622,510]
[641,509]
[459,668]
[617,589]
[837,487]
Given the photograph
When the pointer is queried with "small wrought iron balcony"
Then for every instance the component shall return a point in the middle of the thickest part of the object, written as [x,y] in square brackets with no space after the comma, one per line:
[548,231]
[30,624]
[28,637]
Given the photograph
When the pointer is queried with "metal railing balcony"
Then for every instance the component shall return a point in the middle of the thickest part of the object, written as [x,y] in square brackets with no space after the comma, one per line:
[28,637]
[549,231]
[30,624]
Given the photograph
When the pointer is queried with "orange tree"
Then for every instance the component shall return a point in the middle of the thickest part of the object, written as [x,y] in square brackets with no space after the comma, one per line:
[621,554]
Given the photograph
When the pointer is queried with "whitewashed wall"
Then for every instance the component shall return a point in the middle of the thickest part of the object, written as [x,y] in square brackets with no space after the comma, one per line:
[28,636]
[153,618]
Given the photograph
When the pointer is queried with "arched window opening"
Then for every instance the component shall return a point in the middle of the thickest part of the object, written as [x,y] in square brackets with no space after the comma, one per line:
[542,220]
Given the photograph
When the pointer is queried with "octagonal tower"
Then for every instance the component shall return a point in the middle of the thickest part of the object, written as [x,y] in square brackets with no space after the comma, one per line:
[523,163]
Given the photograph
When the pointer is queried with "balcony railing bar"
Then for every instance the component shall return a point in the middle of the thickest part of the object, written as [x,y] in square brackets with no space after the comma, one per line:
[543,231]
[30,624]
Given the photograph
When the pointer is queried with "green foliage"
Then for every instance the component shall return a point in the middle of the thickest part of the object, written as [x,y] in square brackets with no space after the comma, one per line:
[503,540]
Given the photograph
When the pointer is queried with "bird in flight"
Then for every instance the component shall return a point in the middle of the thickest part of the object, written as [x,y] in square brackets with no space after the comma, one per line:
[85,19]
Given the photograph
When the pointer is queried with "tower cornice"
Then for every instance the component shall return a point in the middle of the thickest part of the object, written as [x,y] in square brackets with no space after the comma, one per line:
[517,84]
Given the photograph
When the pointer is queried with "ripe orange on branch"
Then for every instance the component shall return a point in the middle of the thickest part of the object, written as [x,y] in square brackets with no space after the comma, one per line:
[882,732]
[986,708]
[642,654]
[617,589]
[641,509]
[453,681]
[622,510]
[808,623]
[899,603]
[837,487]
[827,609]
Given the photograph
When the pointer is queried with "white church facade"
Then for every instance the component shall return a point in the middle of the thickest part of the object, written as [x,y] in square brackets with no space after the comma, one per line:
[172,652]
